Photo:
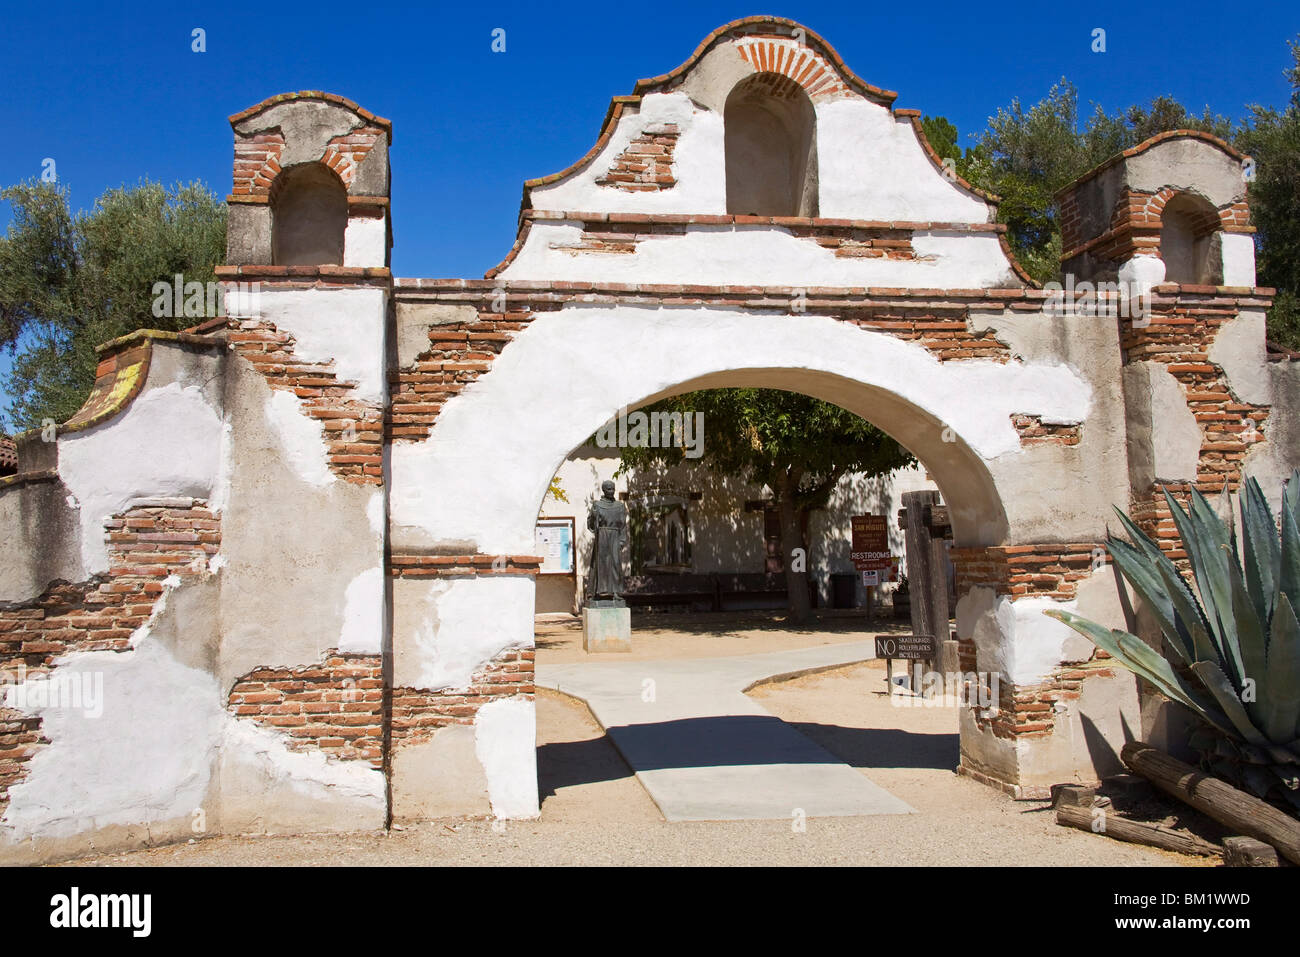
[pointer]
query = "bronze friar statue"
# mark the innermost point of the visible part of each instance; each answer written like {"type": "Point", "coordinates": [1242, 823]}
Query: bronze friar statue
{"type": "Point", "coordinates": [607, 520]}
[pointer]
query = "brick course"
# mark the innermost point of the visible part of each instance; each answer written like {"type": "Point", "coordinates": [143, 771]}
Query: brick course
{"type": "Point", "coordinates": [353, 429]}
{"type": "Point", "coordinates": [335, 706]}
{"type": "Point", "coordinates": [417, 714]}
{"type": "Point", "coordinates": [646, 165]}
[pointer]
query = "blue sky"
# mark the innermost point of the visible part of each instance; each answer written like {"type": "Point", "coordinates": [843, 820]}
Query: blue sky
{"type": "Point", "coordinates": [113, 92]}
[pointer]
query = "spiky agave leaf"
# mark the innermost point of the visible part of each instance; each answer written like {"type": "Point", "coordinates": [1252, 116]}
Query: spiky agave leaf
{"type": "Point", "coordinates": [1227, 696]}
{"type": "Point", "coordinates": [1143, 660]}
{"type": "Point", "coordinates": [1206, 545]}
{"type": "Point", "coordinates": [1251, 633]}
{"type": "Point", "coordinates": [1150, 572]}
{"type": "Point", "coordinates": [1288, 577]}
{"type": "Point", "coordinates": [1261, 549]}
{"type": "Point", "coordinates": [1278, 689]}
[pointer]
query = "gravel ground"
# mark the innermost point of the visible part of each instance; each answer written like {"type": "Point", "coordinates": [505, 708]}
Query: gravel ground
{"type": "Point", "coordinates": [595, 812]}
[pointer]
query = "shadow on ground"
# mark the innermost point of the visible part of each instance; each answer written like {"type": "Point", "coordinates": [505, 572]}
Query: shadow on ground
{"type": "Point", "coordinates": [731, 740]}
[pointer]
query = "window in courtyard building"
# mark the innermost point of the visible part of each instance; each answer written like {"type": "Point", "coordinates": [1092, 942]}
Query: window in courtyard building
{"type": "Point", "coordinates": [309, 215]}
{"type": "Point", "coordinates": [771, 148]}
{"type": "Point", "coordinates": [660, 527]}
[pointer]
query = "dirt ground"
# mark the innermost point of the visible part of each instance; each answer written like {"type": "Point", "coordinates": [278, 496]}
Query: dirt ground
{"type": "Point", "coordinates": [595, 812]}
{"type": "Point", "coordinates": [711, 635]}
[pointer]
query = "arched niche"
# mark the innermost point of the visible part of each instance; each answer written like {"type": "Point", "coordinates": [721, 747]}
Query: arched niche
{"type": "Point", "coordinates": [309, 216]}
{"type": "Point", "coordinates": [771, 148]}
{"type": "Point", "coordinates": [1188, 226]}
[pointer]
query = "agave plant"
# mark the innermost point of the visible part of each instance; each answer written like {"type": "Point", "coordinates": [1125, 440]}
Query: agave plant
{"type": "Point", "coordinates": [1232, 644]}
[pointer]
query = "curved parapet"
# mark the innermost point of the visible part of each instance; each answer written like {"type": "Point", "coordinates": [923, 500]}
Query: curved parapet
{"type": "Point", "coordinates": [151, 426]}
{"type": "Point", "coordinates": [761, 160]}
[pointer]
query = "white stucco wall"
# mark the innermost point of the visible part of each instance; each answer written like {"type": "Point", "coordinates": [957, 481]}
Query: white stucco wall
{"type": "Point", "coordinates": [871, 166]}
{"type": "Point", "coordinates": [167, 443]}
{"type": "Point", "coordinates": [365, 242]}
{"type": "Point", "coordinates": [481, 476]}
{"type": "Point", "coordinates": [761, 255]}
{"type": "Point", "coordinates": [342, 325]}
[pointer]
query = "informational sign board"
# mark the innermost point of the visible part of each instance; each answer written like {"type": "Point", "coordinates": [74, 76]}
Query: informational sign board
{"type": "Point", "coordinates": [878, 576]}
{"type": "Point", "coordinates": [869, 547]}
{"type": "Point", "coordinates": [909, 647]}
{"type": "Point", "coordinates": [555, 539]}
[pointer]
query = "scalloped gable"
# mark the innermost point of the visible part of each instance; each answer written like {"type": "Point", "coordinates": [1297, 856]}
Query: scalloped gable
{"type": "Point", "coordinates": [874, 162]}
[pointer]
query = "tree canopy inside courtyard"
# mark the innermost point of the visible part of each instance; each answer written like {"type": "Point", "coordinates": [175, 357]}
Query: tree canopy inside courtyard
{"type": "Point", "coordinates": [797, 446]}
{"type": "Point", "coordinates": [70, 282]}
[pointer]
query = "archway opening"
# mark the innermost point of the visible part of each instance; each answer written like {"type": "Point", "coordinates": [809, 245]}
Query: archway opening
{"type": "Point", "coordinates": [309, 217]}
{"type": "Point", "coordinates": [771, 148]}
{"type": "Point", "coordinates": [1188, 227]}
{"type": "Point", "coordinates": [711, 602]}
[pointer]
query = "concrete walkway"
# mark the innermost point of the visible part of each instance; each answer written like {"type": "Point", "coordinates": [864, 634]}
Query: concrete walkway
{"type": "Point", "coordinates": [705, 751]}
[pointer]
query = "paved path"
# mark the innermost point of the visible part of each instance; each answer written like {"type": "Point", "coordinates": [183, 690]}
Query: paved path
{"type": "Point", "coordinates": [705, 751]}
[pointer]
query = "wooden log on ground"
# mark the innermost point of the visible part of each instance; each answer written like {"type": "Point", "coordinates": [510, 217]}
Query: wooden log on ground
{"type": "Point", "coordinates": [1248, 852]}
{"type": "Point", "coordinates": [1074, 795]}
{"type": "Point", "coordinates": [1105, 821]}
{"type": "Point", "coordinates": [1239, 811]}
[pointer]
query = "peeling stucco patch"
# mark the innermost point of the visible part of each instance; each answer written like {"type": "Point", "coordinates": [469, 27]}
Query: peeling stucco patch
{"type": "Point", "coordinates": [343, 326]}
{"type": "Point", "coordinates": [301, 437]}
{"type": "Point", "coordinates": [1175, 435]}
{"type": "Point", "coordinates": [1238, 349]}
{"type": "Point", "coordinates": [363, 614]}
{"type": "Point", "coordinates": [148, 757]}
{"type": "Point", "coordinates": [467, 623]}
{"type": "Point", "coordinates": [309, 772]}
{"type": "Point", "coordinates": [168, 443]}
{"type": "Point", "coordinates": [504, 736]}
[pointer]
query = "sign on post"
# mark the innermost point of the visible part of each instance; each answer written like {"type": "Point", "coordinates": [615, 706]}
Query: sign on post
{"type": "Point", "coordinates": [869, 552]}
{"type": "Point", "coordinates": [869, 548]}
{"type": "Point", "coordinates": [907, 647]}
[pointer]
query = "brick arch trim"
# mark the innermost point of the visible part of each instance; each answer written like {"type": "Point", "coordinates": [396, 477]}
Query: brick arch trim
{"type": "Point", "coordinates": [749, 31]}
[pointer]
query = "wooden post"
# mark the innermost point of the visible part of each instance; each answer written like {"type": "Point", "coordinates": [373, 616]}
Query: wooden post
{"type": "Point", "coordinates": [924, 521]}
{"type": "Point", "coordinates": [916, 536]}
{"type": "Point", "coordinates": [1248, 852]}
{"type": "Point", "coordinates": [938, 592]}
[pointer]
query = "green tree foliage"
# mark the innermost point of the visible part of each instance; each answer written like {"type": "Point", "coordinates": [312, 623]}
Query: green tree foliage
{"type": "Point", "coordinates": [797, 446]}
{"type": "Point", "coordinates": [69, 283]}
{"type": "Point", "coordinates": [1272, 138]}
{"type": "Point", "coordinates": [1027, 154]}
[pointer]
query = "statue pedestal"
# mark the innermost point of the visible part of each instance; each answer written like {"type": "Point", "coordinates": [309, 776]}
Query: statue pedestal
{"type": "Point", "coordinates": [606, 629]}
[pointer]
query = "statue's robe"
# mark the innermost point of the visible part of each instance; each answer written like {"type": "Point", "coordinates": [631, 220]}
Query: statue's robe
{"type": "Point", "coordinates": [608, 522]}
